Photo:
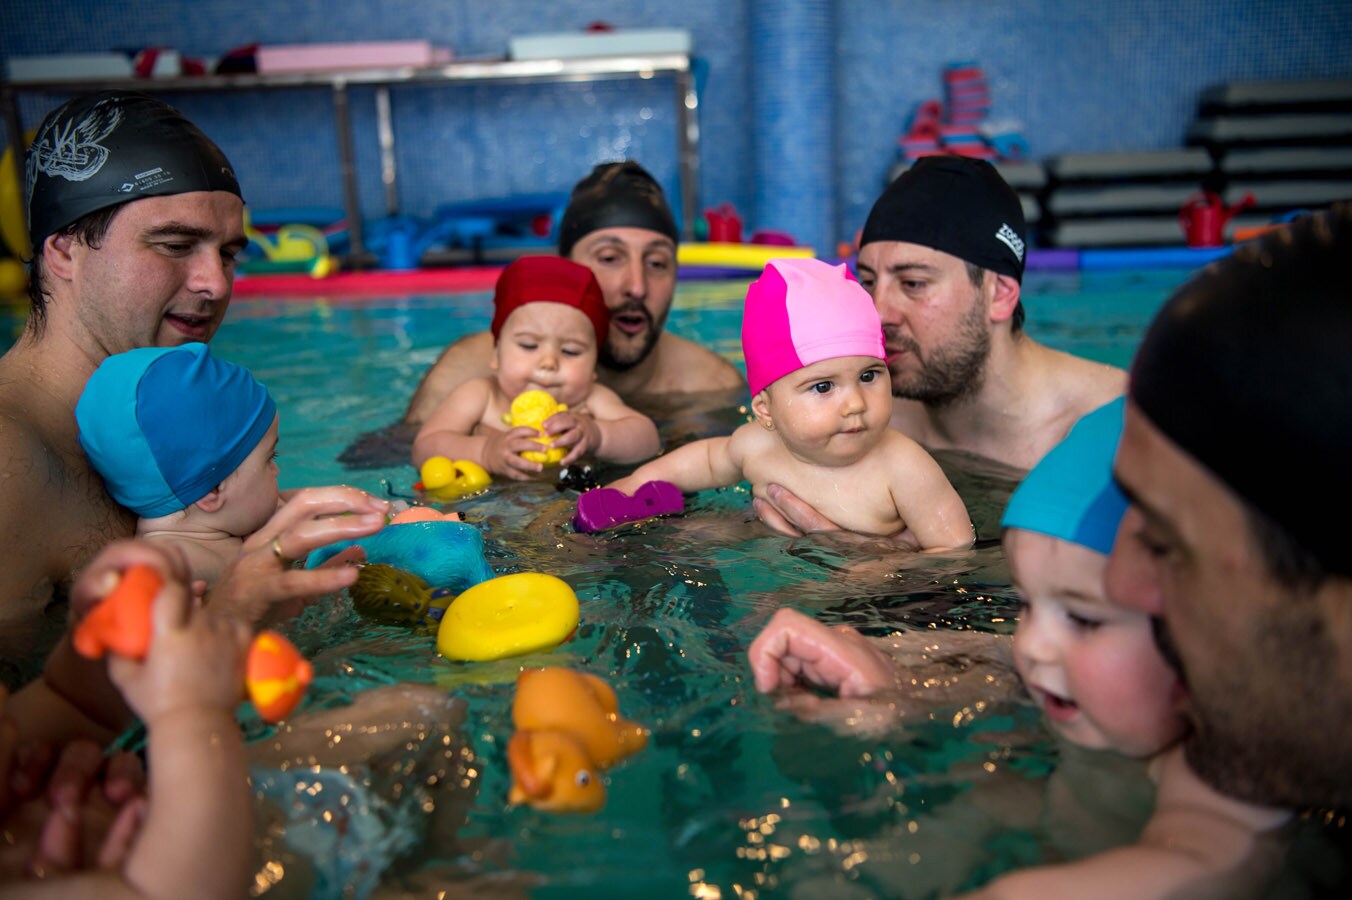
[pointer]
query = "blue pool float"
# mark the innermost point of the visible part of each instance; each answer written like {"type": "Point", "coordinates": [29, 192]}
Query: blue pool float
{"type": "Point", "coordinates": [444, 554]}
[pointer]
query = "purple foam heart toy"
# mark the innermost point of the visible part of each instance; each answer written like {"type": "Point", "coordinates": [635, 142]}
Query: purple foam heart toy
{"type": "Point", "coordinates": [604, 508]}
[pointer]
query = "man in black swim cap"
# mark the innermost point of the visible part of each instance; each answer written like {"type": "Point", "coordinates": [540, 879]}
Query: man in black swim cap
{"type": "Point", "coordinates": [619, 225]}
{"type": "Point", "coordinates": [1235, 455]}
{"type": "Point", "coordinates": [943, 253]}
{"type": "Point", "coordinates": [136, 218]}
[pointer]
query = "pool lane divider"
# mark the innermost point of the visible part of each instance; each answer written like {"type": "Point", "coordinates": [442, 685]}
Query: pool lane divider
{"type": "Point", "coordinates": [380, 283]}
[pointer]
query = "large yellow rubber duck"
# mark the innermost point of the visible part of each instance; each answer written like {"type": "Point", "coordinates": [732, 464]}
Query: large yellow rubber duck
{"type": "Point", "coordinates": [568, 729]}
{"type": "Point", "coordinates": [532, 409]}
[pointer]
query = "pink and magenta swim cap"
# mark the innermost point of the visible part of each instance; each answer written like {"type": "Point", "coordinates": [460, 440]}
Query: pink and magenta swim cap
{"type": "Point", "coordinates": [802, 311]}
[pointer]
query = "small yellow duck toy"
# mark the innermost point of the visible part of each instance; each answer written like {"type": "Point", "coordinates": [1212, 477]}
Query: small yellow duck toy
{"type": "Point", "coordinates": [532, 409]}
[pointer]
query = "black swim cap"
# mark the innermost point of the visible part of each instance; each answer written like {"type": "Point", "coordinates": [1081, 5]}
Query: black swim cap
{"type": "Point", "coordinates": [615, 195]}
{"type": "Point", "coordinates": [1248, 369]}
{"type": "Point", "coordinates": [99, 150]}
{"type": "Point", "coordinates": [957, 205]}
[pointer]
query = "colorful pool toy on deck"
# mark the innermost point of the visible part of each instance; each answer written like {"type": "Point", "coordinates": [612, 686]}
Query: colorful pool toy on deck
{"type": "Point", "coordinates": [607, 507]}
{"type": "Point", "coordinates": [276, 675]}
{"type": "Point", "coordinates": [510, 615]}
{"type": "Point", "coordinates": [450, 479]}
{"type": "Point", "coordinates": [568, 729]}
{"type": "Point", "coordinates": [531, 409]}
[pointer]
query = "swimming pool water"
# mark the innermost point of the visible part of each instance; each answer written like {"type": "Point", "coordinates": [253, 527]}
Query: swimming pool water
{"type": "Point", "coordinates": [732, 797]}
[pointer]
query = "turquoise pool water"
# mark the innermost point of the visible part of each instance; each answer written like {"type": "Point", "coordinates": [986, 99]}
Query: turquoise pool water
{"type": "Point", "coordinates": [733, 796]}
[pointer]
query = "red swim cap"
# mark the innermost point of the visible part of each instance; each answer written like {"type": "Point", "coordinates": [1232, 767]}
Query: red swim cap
{"type": "Point", "coordinates": [549, 279]}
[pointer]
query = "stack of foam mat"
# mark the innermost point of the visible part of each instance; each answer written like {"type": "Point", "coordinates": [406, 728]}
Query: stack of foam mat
{"type": "Point", "coordinates": [1289, 144]}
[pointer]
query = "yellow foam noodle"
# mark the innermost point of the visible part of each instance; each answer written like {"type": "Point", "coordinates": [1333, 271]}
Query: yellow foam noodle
{"type": "Point", "coordinates": [737, 256]}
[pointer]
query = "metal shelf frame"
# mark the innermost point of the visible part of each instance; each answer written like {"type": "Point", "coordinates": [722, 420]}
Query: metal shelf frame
{"type": "Point", "coordinates": [584, 69]}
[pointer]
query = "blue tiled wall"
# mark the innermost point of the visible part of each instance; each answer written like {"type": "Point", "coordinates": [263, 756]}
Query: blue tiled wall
{"type": "Point", "coordinates": [1079, 76]}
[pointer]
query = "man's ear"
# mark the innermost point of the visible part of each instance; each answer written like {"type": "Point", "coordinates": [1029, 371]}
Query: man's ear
{"type": "Point", "coordinates": [58, 256]}
{"type": "Point", "coordinates": [1006, 297]}
{"type": "Point", "coordinates": [213, 501]}
{"type": "Point", "coordinates": [760, 408]}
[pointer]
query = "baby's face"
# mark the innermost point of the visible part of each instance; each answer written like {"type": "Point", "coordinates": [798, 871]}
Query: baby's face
{"type": "Point", "coordinates": [831, 412]}
{"type": "Point", "coordinates": [549, 347]}
{"type": "Point", "coordinates": [250, 491]}
{"type": "Point", "coordinates": [1091, 666]}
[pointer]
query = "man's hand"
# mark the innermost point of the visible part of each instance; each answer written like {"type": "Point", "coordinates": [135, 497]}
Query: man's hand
{"type": "Point", "coordinates": [262, 582]}
{"type": "Point", "coordinates": [794, 649]}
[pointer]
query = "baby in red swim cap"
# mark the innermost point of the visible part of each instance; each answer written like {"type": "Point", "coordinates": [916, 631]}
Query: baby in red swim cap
{"type": "Point", "coordinates": [549, 317]}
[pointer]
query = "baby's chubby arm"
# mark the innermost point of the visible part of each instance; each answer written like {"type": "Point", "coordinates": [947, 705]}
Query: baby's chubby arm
{"type": "Point", "coordinates": [195, 829]}
{"type": "Point", "coordinates": [710, 463]}
{"type": "Point", "coordinates": [606, 427]}
{"type": "Point", "coordinates": [449, 432]}
{"type": "Point", "coordinates": [925, 499]}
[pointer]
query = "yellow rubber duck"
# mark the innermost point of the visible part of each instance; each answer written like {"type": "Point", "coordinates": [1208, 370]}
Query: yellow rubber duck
{"type": "Point", "coordinates": [446, 479]}
{"type": "Point", "coordinates": [532, 409]}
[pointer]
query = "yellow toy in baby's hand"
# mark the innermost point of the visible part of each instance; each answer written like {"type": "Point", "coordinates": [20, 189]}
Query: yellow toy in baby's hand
{"type": "Point", "coordinates": [532, 409]}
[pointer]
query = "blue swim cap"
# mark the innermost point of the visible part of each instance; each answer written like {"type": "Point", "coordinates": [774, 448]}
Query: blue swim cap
{"type": "Point", "coordinates": [165, 425]}
{"type": "Point", "coordinates": [1071, 493]}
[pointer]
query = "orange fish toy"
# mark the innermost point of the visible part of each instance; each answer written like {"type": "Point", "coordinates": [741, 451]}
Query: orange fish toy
{"type": "Point", "coordinates": [276, 675]}
{"type": "Point", "coordinates": [568, 729]}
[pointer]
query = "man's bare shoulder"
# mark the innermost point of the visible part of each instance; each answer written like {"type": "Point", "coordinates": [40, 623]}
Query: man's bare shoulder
{"type": "Point", "coordinates": [688, 367]}
{"type": "Point", "coordinates": [1083, 384]}
{"type": "Point", "coordinates": [467, 357]}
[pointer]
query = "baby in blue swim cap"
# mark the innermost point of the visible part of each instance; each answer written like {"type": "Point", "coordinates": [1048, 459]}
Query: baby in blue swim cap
{"type": "Point", "coordinates": [187, 442]}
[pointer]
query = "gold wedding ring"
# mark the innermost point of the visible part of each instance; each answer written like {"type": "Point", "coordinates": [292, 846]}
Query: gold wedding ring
{"type": "Point", "coordinates": [277, 552]}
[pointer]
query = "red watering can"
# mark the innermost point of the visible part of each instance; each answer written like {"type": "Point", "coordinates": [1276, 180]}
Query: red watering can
{"type": "Point", "coordinates": [1204, 218]}
{"type": "Point", "coordinates": [725, 226]}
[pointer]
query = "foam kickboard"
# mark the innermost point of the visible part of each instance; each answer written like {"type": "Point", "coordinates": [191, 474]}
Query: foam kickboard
{"type": "Point", "coordinates": [644, 41]}
{"type": "Point", "coordinates": [69, 67]}
{"type": "Point", "coordinates": [1276, 127]}
{"type": "Point", "coordinates": [1139, 164]}
{"type": "Point", "coordinates": [1277, 160]}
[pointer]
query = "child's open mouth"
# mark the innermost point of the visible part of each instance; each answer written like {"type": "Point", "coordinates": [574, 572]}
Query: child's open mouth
{"type": "Point", "coordinates": [1058, 708]}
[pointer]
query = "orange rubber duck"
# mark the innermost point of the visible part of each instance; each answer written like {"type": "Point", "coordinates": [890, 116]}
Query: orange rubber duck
{"type": "Point", "coordinates": [276, 675]}
{"type": "Point", "coordinates": [568, 730]}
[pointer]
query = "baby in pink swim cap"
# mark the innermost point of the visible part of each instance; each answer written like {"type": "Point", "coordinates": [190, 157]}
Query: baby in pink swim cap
{"type": "Point", "coordinates": [822, 399]}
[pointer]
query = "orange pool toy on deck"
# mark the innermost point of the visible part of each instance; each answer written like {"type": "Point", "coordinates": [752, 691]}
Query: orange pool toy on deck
{"type": "Point", "coordinates": [276, 676]}
{"type": "Point", "coordinates": [121, 623]}
{"type": "Point", "coordinates": [568, 730]}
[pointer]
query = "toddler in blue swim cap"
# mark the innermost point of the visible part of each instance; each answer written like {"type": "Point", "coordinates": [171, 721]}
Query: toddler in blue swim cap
{"type": "Point", "coordinates": [188, 443]}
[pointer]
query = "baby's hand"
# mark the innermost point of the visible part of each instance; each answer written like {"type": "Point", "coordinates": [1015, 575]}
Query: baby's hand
{"type": "Point", "coordinates": [195, 661]}
{"type": "Point", "coordinates": [575, 430]}
{"type": "Point", "coordinates": [503, 449]}
{"type": "Point", "coordinates": [794, 649]}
